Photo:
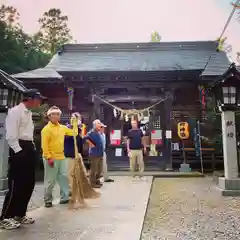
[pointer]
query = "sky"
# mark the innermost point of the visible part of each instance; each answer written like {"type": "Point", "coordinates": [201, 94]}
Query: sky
{"type": "Point", "coordinates": [95, 21]}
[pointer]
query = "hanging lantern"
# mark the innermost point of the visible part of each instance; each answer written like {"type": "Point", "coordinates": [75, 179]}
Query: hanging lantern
{"type": "Point", "coordinates": [126, 118]}
{"type": "Point", "coordinates": [115, 112]}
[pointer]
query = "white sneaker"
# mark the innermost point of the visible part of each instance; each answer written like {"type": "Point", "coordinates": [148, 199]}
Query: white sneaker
{"type": "Point", "coordinates": [9, 224]}
{"type": "Point", "coordinates": [24, 220]}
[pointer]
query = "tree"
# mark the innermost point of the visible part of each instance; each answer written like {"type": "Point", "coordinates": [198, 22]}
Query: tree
{"type": "Point", "coordinates": [19, 52]}
{"type": "Point", "coordinates": [54, 31]}
{"type": "Point", "coordinates": [212, 126]}
{"type": "Point", "coordinates": [9, 15]}
{"type": "Point", "coordinates": [155, 37]}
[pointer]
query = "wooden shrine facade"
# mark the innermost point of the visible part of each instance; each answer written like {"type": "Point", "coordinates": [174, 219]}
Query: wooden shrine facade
{"type": "Point", "coordinates": [133, 76]}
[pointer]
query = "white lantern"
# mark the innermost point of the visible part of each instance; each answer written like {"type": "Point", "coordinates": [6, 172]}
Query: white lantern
{"type": "Point", "coordinates": [227, 90]}
{"type": "Point", "coordinates": [229, 94]}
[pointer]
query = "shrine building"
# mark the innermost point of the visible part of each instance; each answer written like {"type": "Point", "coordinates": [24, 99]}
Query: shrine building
{"type": "Point", "coordinates": [165, 80]}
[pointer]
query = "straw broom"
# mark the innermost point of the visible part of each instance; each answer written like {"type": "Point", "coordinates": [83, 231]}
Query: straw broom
{"type": "Point", "coordinates": [77, 198]}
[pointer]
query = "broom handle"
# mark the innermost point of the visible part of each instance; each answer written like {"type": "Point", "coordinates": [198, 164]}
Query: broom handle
{"type": "Point", "coordinates": [75, 129]}
{"type": "Point", "coordinates": [78, 185]}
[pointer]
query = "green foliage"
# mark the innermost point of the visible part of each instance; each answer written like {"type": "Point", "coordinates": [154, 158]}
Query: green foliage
{"type": "Point", "coordinates": [155, 37]}
{"type": "Point", "coordinates": [223, 46]}
{"type": "Point", "coordinates": [9, 15]}
{"type": "Point", "coordinates": [40, 120]}
{"type": "Point", "coordinates": [54, 32]}
{"type": "Point", "coordinates": [213, 123]}
{"type": "Point", "coordinates": [39, 116]}
{"type": "Point", "coordinates": [19, 52]}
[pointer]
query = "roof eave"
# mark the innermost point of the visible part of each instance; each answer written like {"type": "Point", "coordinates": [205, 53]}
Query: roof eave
{"type": "Point", "coordinates": [40, 73]}
{"type": "Point", "coordinates": [12, 82]}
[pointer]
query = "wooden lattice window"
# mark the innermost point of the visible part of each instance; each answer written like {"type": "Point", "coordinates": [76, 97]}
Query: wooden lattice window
{"type": "Point", "coordinates": [157, 123]}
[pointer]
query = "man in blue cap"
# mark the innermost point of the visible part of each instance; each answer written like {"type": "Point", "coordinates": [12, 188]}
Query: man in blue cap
{"type": "Point", "coordinates": [22, 160]}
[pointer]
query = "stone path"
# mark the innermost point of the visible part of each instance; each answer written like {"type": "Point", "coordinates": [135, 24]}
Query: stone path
{"type": "Point", "coordinates": [37, 197]}
{"type": "Point", "coordinates": [117, 215]}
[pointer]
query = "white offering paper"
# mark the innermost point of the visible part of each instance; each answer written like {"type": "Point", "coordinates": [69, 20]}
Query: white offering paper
{"type": "Point", "coordinates": [168, 134]}
{"type": "Point", "coordinates": [118, 152]}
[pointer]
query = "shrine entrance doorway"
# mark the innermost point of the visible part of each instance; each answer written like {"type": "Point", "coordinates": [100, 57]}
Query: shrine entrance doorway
{"type": "Point", "coordinates": [154, 128]}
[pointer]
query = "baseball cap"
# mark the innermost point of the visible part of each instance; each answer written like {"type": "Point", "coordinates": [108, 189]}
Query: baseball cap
{"type": "Point", "coordinates": [97, 121]}
{"type": "Point", "coordinates": [33, 94]}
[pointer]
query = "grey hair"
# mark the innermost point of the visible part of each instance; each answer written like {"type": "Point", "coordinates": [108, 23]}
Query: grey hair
{"type": "Point", "coordinates": [95, 122]}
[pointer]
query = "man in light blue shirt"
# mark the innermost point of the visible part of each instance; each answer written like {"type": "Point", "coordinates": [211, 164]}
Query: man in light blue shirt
{"type": "Point", "coordinates": [105, 170]}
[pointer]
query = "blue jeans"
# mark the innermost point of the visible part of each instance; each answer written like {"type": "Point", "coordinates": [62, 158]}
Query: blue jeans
{"type": "Point", "coordinates": [56, 174]}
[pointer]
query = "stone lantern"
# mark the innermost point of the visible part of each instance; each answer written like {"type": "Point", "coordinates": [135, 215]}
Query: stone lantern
{"type": "Point", "coordinates": [227, 98]}
{"type": "Point", "coordinates": [11, 93]}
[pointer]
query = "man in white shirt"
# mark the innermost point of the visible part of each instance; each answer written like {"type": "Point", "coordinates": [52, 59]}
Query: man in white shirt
{"type": "Point", "coordinates": [22, 159]}
{"type": "Point", "coordinates": [105, 168]}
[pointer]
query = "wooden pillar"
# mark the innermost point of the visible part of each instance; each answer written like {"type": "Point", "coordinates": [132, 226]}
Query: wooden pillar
{"type": "Point", "coordinates": [96, 107]}
{"type": "Point", "coordinates": [168, 126]}
{"type": "Point", "coordinates": [91, 107]}
{"type": "Point", "coordinates": [107, 119]}
{"type": "Point", "coordinates": [70, 99]}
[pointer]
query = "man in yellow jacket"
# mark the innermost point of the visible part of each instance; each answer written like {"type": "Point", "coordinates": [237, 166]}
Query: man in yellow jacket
{"type": "Point", "coordinates": [55, 164]}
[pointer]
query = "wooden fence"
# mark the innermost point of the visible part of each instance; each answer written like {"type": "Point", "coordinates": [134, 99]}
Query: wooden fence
{"type": "Point", "coordinates": [212, 160]}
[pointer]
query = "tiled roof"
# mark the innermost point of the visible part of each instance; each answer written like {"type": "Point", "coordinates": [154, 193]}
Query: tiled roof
{"type": "Point", "coordinates": [39, 73]}
{"type": "Point", "coordinates": [216, 65]}
{"type": "Point", "coordinates": [232, 69]}
{"type": "Point", "coordinates": [11, 82]}
{"type": "Point", "coordinates": [163, 56]}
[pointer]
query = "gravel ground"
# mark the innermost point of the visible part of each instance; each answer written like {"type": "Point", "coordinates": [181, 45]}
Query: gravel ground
{"type": "Point", "coordinates": [190, 209]}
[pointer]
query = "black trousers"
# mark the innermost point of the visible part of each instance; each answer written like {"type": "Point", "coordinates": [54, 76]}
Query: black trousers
{"type": "Point", "coordinates": [21, 181]}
